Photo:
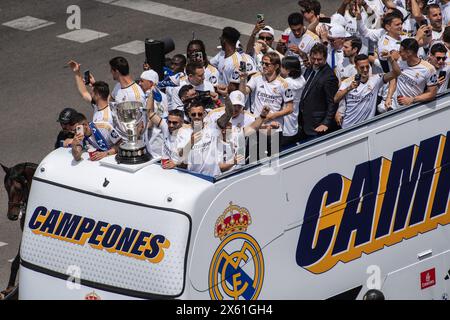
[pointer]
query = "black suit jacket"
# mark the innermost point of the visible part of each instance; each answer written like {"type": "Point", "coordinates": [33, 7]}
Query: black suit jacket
{"type": "Point", "coordinates": [317, 103]}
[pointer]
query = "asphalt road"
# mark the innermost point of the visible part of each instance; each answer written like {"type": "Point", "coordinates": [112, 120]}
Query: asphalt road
{"type": "Point", "coordinates": [35, 83]}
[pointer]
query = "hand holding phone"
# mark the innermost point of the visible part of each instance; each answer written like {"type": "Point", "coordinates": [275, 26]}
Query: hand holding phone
{"type": "Point", "coordinates": [87, 77]}
{"type": "Point", "coordinates": [325, 20]}
{"type": "Point", "coordinates": [243, 66]}
{"type": "Point", "coordinates": [79, 130]}
{"type": "Point", "coordinates": [260, 17]}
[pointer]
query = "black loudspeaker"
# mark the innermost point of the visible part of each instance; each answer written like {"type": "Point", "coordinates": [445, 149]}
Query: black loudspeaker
{"type": "Point", "coordinates": [155, 50]}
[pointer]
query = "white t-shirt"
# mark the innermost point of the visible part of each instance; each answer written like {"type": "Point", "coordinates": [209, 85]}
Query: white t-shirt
{"type": "Point", "coordinates": [290, 127]}
{"type": "Point", "coordinates": [272, 94]}
{"type": "Point", "coordinates": [203, 155]}
{"type": "Point", "coordinates": [229, 67]}
{"type": "Point", "coordinates": [413, 80]}
{"type": "Point", "coordinates": [131, 93]}
{"type": "Point", "coordinates": [360, 103]}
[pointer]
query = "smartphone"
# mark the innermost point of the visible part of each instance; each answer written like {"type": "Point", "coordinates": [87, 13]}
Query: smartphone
{"type": "Point", "coordinates": [243, 66]}
{"type": "Point", "coordinates": [197, 126]}
{"type": "Point", "coordinates": [358, 77]}
{"type": "Point", "coordinates": [442, 74]}
{"type": "Point", "coordinates": [79, 129]}
{"type": "Point", "coordinates": [87, 76]}
{"type": "Point", "coordinates": [325, 20]}
{"type": "Point", "coordinates": [197, 56]}
{"type": "Point", "coordinates": [259, 17]}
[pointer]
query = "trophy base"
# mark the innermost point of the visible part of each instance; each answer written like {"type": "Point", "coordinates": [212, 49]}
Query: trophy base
{"type": "Point", "coordinates": [136, 156]}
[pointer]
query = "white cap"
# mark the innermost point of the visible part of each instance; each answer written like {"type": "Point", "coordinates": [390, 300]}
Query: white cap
{"type": "Point", "coordinates": [267, 29]}
{"type": "Point", "coordinates": [237, 97]}
{"type": "Point", "coordinates": [150, 75]}
{"type": "Point", "coordinates": [337, 19]}
{"type": "Point", "coordinates": [338, 31]}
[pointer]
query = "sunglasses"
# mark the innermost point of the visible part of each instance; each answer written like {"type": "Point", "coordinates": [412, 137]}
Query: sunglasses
{"type": "Point", "coordinates": [197, 114]}
{"type": "Point", "coordinates": [266, 64]}
{"type": "Point", "coordinates": [441, 58]}
{"type": "Point", "coordinates": [265, 38]}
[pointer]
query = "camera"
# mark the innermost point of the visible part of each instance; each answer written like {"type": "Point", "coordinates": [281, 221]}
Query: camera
{"type": "Point", "coordinates": [205, 98]}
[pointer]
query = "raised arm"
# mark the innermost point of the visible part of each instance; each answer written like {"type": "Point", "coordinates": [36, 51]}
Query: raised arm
{"type": "Point", "coordinates": [75, 66]}
{"type": "Point", "coordinates": [226, 117]}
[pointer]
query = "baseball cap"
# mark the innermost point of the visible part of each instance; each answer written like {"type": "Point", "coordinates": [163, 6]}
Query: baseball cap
{"type": "Point", "coordinates": [267, 29]}
{"type": "Point", "coordinates": [67, 115]}
{"type": "Point", "coordinates": [237, 97]}
{"type": "Point", "coordinates": [150, 75]}
{"type": "Point", "coordinates": [338, 31]}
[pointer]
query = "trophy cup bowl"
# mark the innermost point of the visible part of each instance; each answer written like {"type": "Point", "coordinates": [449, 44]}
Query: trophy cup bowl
{"type": "Point", "coordinates": [129, 122]}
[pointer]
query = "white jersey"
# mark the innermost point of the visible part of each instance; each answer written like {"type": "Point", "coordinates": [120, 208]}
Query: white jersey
{"type": "Point", "coordinates": [227, 150]}
{"type": "Point", "coordinates": [109, 134]}
{"type": "Point", "coordinates": [131, 93]}
{"type": "Point", "coordinates": [154, 138]}
{"type": "Point", "coordinates": [290, 127]}
{"type": "Point", "coordinates": [103, 115]}
{"type": "Point", "coordinates": [445, 8]}
{"type": "Point", "coordinates": [203, 155]}
{"type": "Point", "coordinates": [344, 72]}
{"type": "Point", "coordinates": [350, 24]}
{"type": "Point", "coordinates": [171, 143]}
{"type": "Point", "coordinates": [212, 75]}
{"type": "Point", "coordinates": [304, 43]}
{"type": "Point", "coordinates": [273, 94]}
{"type": "Point", "coordinates": [229, 67]}
{"type": "Point", "coordinates": [413, 80]}
{"type": "Point", "coordinates": [241, 121]}
{"type": "Point", "coordinates": [360, 103]}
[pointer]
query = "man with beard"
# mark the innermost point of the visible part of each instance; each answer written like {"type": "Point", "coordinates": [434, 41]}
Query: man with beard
{"type": "Point", "coordinates": [317, 107]}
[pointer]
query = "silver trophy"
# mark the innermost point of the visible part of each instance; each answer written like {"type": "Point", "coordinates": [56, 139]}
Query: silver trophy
{"type": "Point", "coordinates": [129, 122]}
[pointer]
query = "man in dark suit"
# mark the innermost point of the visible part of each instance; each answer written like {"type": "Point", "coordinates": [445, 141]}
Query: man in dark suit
{"type": "Point", "coordinates": [317, 107]}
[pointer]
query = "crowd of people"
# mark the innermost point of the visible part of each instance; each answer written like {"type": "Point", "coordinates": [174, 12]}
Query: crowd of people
{"type": "Point", "coordinates": [323, 74]}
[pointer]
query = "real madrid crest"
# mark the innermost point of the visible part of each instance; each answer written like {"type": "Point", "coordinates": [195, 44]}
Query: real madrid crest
{"type": "Point", "coordinates": [237, 267]}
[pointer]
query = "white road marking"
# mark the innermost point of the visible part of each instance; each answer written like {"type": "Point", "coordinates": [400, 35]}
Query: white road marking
{"type": "Point", "coordinates": [189, 16]}
{"type": "Point", "coordinates": [82, 35]}
{"type": "Point", "coordinates": [133, 47]}
{"type": "Point", "coordinates": [2, 244]}
{"type": "Point", "coordinates": [27, 23]}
